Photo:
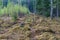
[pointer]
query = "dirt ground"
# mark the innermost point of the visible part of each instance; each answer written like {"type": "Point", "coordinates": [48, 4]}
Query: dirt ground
{"type": "Point", "coordinates": [32, 27]}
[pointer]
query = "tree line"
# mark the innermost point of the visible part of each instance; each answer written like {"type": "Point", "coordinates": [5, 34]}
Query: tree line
{"type": "Point", "coordinates": [48, 7]}
{"type": "Point", "coordinates": [41, 7]}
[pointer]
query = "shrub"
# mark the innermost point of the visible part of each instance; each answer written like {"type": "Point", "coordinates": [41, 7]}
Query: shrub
{"type": "Point", "coordinates": [13, 10]}
{"type": "Point", "coordinates": [3, 11]}
{"type": "Point", "coordinates": [47, 14]}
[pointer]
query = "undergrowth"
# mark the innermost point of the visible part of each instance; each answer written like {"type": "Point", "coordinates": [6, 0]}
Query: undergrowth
{"type": "Point", "coordinates": [14, 10]}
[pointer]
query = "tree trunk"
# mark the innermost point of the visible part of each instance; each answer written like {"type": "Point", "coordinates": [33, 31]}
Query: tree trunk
{"type": "Point", "coordinates": [51, 14]}
{"type": "Point", "coordinates": [57, 10]}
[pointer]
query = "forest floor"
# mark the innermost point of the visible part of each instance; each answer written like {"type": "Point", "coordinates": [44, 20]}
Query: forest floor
{"type": "Point", "coordinates": [32, 27]}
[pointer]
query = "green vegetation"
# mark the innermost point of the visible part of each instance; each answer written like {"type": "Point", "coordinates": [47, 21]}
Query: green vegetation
{"type": "Point", "coordinates": [43, 7]}
{"type": "Point", "coordinates": [0, 3]}
{"type": "Point", "coordinates": [13, 10]}
{"type": "Point", "coordinates": [29, 20]}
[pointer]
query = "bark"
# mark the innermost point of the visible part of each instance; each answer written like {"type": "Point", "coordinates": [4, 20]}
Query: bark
{"type": "Point", "coordinates": [35, 6]}
{"type": "Point", "coordinates": [51, 14]}
{"type": "Point", "coordinates": [57, 10]}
